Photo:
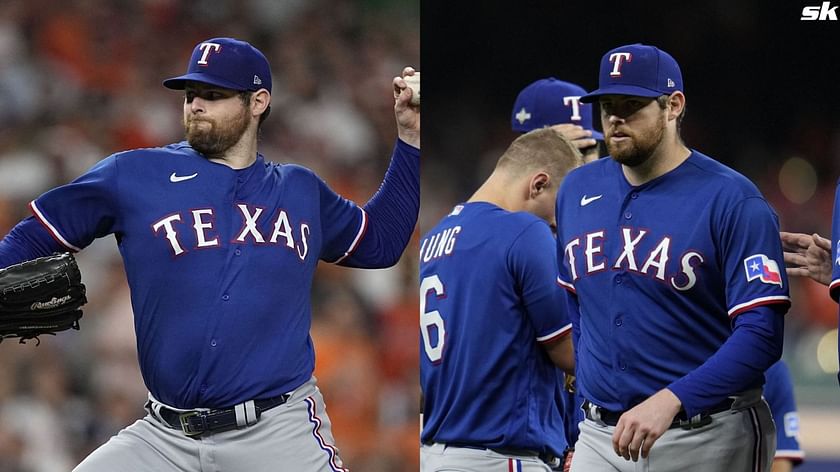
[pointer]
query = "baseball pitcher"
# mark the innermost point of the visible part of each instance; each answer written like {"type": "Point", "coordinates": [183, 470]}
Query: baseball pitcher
{"type": "Point", "coordinates": [220, 246]}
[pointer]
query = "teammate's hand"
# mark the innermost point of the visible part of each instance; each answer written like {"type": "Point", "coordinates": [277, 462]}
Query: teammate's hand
{"type": "Point", "coordinates": [408, 116]}
{"type": "Point", "coordinates": [639, 427]}
{"type": "Point", "coordinates": [807, 256]}
{"type": "Point", "coordinates": [580, 137]}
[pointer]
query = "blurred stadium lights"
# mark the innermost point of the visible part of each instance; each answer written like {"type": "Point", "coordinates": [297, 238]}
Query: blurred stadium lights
{"type": "Point", "coordinates": [797, 180]}
{"type": "Point", "coordinates": [827, 352]}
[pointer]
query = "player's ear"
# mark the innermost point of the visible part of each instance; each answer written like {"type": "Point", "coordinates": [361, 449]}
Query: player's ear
{"type": "Point", "coordinates": [539, 183]}
{"type": "Point", "coordinates": [676, 104]}
{"type": "Point", "coordinates": [261, 101]}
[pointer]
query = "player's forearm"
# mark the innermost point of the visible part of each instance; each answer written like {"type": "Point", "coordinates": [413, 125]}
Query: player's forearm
{"type": "Point", "coordinates": [26, 241]}
{"type": "Point", "coordinates": [392, 212]}
{"type": "Point", "coordinates": [561, 352]}
{"type": "Point", "coordinates": [739, 364]}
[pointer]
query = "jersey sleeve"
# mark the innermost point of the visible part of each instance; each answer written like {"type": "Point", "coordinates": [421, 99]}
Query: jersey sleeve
{"type": "Point", "coordinates": [778, 391]}
{"type": "Point", "coordinates": [752, 257]}
{"type": "Point", "coordinates": [532, 261]}
{"type": "Point", "coordinates": [834, 287]}
{"type": "Point", "coordinates": [87, 208]}
{"type": "Point", "coordinates": [343, 224]}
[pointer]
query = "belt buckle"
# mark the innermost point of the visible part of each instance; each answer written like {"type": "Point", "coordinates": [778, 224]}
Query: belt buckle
{"type": "Point", "coordinates": [185, 423]}
{"type": "Point", "coordinates": [594, 412]}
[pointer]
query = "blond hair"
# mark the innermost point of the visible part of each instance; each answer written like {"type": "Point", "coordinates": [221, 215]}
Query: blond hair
{"type": "Point", "coordinates": [543, 150]}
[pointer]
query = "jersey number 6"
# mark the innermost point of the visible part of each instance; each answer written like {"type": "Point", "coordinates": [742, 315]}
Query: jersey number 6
{"type": "Point", "coordinates": [432, 318]}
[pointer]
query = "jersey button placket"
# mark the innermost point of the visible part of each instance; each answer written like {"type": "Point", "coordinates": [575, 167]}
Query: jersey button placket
{"type": "Point", "coordinates": [225, 297]}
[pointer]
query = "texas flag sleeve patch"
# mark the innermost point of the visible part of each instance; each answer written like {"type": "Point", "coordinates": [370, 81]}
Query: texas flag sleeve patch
{"type": "Point", "coordinates": [762, 268]}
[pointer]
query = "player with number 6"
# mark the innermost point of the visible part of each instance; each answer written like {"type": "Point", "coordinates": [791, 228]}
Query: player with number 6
{"type": "Point", "coordinates": [492, 326]}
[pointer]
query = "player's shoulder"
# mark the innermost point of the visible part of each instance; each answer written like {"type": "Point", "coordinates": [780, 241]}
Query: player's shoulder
{"type": "Point", "coordinates": [506, 219]}
{"type": "Point", "coordinates": [727, 181]}
{"type": "Point", "coordinates": [294, 175]}
{"type": "Point", "coordinates": [153, 154]}
{"type": "Point", "coordinates": [491, 219]}
{"type": "Point", "coordinates": [291, 169]}
{"type": "Point", "coordinates": [593, 170]}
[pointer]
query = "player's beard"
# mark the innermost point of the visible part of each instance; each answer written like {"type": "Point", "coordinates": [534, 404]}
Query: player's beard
{"type": "Point", "coordinates": [215, 140]}
{"type": "Point", "coordinates": [639, 147]}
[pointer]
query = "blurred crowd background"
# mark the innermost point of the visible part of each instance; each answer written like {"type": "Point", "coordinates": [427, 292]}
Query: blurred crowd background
{"type": "Point", "coordinates": [81, 79]}
{"type": "Point", "coordinates": [761, 89]}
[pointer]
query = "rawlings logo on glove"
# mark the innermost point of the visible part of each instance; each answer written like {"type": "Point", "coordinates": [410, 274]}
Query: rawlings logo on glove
{"type": "Point", "coordinates": [52, 303]}
{"type": "Point", "coordinates": [41, 296]}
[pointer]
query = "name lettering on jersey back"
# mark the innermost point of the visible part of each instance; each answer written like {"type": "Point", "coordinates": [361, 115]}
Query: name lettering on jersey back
{"type": "Point", "coordinates": [654, 262]}
{"type": "Point", "coordinates": [439, 244]}
{"type": "Point", "coordinates": [202, 223]}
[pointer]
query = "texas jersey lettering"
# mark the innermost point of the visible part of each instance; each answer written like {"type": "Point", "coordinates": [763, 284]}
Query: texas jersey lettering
{"type": "Point", "coordinates": [675, 270]}
{"type": "Point", "coordinates": [180, 237]}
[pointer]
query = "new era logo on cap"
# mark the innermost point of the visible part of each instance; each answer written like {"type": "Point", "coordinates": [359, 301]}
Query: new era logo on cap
{"type": "Point", "coordinates": [549, 102]}
{"type": "Point", "coordinates": [228, 63]}
{"type": "Point", "coordinates": [638, 70]}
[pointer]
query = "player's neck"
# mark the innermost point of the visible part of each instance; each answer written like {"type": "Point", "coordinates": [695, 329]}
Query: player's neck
{"type": "Point", "coordinates": [665, 158]}
{"type": "Point", "coordinates": [498, 190]}
{"type": "Point", "coordinates": [240, 155]}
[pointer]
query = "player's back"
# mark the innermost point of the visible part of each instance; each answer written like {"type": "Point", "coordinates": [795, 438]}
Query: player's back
{"type": "Point", "coordinates": [485, 379]}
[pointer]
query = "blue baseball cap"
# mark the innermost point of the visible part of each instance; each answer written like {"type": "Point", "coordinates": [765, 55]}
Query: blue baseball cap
{"type": "Point", "coordinates": [639, 70]}
{"type": "Point", "coordinates": [549, 102]}
{"type": "Point", "coordinates": [228, 63]}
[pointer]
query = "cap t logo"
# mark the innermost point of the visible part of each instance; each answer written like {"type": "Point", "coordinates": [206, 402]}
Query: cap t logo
{"type": "Point", "coordinates": [206, 48]}
{"type": "Point", "coordinates": [619, 58]}
{"type": "Point", "coordinates": [671, 83]}
{"type": "Point", "coordinates": [257, 80]}
{"type": "Point", "coordinates": [574, 101]}
{"type": "Point", "coordinates": [522, 116]}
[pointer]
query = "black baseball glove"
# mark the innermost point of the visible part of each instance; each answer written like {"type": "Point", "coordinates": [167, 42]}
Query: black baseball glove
{"type": "Point", "coordinates": [41, 296]}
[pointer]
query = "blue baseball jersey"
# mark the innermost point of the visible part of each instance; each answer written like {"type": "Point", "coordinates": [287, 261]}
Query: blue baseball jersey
{"type": "Point", "coordinates": [778, 391]}
{"type": "Point", "coordinates": [834, 286]}
{"type": "Point", "coordinates": [219, 262]}
{"type": "Point", "coordinates": [487, 302]}
{"type": "Point", "coordinates": [660, 271]}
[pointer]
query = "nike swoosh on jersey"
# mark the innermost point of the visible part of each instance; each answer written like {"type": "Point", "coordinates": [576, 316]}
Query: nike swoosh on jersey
{"type": "Point", "coordinates": [180, 178]}
{"type": "Point", "coordinates": [584, 200]}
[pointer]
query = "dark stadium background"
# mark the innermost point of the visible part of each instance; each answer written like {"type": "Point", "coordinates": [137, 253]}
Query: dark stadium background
{"type": "Point", "coordinates": [762, 97]}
